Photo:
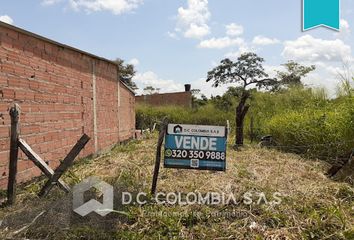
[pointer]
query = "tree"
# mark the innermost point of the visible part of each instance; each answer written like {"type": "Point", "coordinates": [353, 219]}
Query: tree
{"type": "Point", "coordinates": [247, 73]}
{"type": "Point", "coordinates": [195, 101]}
{"type": "Point", "coordinates": [223, 102]}
{"type": "Point", "coordinates": [149, 90]}
{"type": "Point", "coordinates": [126, 73]}
{"type": "Point", "coordinates": [198, 102]}
{"type": "Point", "coordinates": [195, 92]}
{"type": "Point", "coordinates": [293, 74]}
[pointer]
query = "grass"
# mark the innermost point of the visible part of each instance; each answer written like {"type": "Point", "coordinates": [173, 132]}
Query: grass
{"type": "Point", "coordinates": [326, 132]}
{"type": "Point", "coordinates": [299, 120]}
{"type": "Point", "coordinates": [312, 207]}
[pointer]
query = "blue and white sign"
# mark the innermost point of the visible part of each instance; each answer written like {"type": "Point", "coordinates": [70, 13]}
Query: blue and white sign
{"type": "Point", "coordinates": [195, 147]}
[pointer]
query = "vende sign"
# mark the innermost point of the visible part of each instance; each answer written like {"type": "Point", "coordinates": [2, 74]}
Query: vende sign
{"type": "Point", "coordinates": [195, 147]}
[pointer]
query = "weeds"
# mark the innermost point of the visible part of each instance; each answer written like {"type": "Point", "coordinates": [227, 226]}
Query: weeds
{"type": "Point", "coordinates": [312, 207]}
{"type": "Point", "coordinates": [301, 120]}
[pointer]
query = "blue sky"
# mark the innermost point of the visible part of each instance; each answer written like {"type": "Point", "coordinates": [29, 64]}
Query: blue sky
{"type": "Point", "coordinates": [178, 41]}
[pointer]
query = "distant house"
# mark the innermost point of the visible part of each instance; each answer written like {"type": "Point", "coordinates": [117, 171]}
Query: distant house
{"type": "Point", "coordinates": [183, 99]}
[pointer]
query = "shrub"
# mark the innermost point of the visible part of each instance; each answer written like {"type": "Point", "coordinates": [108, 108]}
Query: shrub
{"type": "Point", "coordinates": [301, 120]}
{"type": "Point", "coordinates": [324, 132]}
{"type": "Point", "coordinates": [146, 116]}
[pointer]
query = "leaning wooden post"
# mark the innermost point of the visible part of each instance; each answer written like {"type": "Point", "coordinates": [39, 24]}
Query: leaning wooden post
{"type": "Point", "coordinates": [65, 164]}
{"type": "Point", "coordinates": [162, 133]}
{"type": "Point", "coordinates": [15, 131]}
{"type": "Point", "coordinates": [40, 163]}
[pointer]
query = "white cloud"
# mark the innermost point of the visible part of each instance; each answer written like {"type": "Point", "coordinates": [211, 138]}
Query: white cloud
{"type": "Point", "coordinates": [242, 49]}
{"type": "Point", "coordinates": [214, 63]}
{"type": "Point", "coordinates": [115, 6]}
{"type": "Point", "coordinates": [207, 89]}
{"type": "Point", "coordinates": [325, 76]}
{"type": "Point", "coordinates": [344, 26]}
{"type": "Point", "coordinates": [327, 55]}
{"type": "Point", "coordinates": [220, 43]}
{"type": "Point", "coordinates": [134, 62]}
{"type": "Point", "coordinates": [234, 29]}
{"type": "Point", "coordinates": [272, 70]}
{"type": "Point", "coordinates": [50, 2]}
{"type": "Point", "coordinates": [150, 78]}
{"type": "Point", "coordinates": [193, 19]}
{"type": "Point", "coordinates": [263, 41]}
{"type": "Point", "coordinates": [344, 30]}
{"type": "Point", "coordinates": [308, 48]}
{"type": "Point", "coordinates": [6, 19]}
{"type": "Point", "coordinates": [172, 35]}
{"type": "Point", "coordinates": [197, 31]}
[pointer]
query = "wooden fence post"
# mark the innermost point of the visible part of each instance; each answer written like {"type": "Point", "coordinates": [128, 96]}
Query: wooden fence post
{"type": "Point", "coordinates": [228, 127]}
{"type": "Point", "coordinates": [252, 129]}
{"type": "Point", "coordinates": [158, 154]}
{"type": "Point", "coordinates": [15, 131]}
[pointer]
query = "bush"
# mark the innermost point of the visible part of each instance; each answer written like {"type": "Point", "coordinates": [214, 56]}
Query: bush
{"type": "Point", "coordinates": [320, 132]}
{"type": "Point", "coordinates": [301, 120]}
{"type": "Point", "coordinates": [146, 116]}
{"type": "Point", "coordinates": [265, 105]}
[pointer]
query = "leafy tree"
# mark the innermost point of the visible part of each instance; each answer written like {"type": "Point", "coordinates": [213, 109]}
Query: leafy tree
{"type": "Point", "coordinates": [223, 102]}
{"type": "Point", "coordinates": [293, 74]}
{"type": "Point", "coordinates": [195, 92]}
{"type": "Point", "coordinates": [151, 90]}
{"type": "Point", "coordinates": [227, 100]}
{"type": "Point", "coordinates": [198, 102]}
{"type": "Point", "coordinates": [195, 101]}
{"type": "Point", "coordinates": [126, 73]}
{"type": "Point", "coordinates": [247, 73]}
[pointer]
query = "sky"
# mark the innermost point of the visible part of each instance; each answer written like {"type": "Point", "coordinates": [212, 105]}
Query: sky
{"type": "Point", "coordinates": [175, 42]}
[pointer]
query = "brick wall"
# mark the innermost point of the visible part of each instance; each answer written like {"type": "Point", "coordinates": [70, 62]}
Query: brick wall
{"type": "Point", "coordinates": [179, 98]}
{"type": "Point", "coordinates": [63, 92]}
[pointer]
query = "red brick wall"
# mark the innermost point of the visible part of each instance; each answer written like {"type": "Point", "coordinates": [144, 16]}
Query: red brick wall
{"type": "Point", "coordinates": [127, 114]}
{"type": "Point", "coordinates": [180, 99]}
{"type": "Point", "coordinates": [53, 84]}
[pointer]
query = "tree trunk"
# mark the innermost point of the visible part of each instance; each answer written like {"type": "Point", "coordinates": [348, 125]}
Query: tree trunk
{"type": "Point", "coordinates": [241, 112]}
{"type": "Point", "coordinates": [239, 129]}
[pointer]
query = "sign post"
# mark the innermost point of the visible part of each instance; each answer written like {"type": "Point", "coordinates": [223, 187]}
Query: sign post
{"type": "Point", "coordinates": [158, 155]}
